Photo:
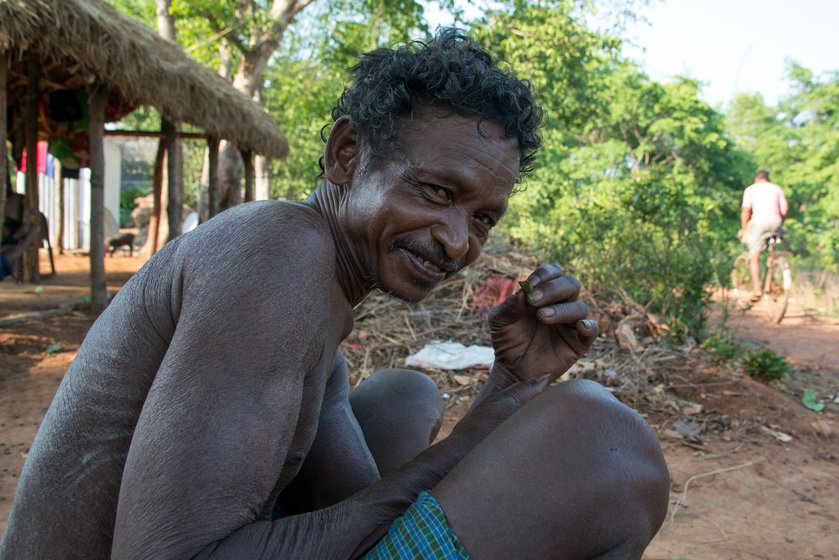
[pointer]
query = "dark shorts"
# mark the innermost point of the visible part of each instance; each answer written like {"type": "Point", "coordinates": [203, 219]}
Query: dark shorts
{"type": "Point", "coordinates": [421, 533]}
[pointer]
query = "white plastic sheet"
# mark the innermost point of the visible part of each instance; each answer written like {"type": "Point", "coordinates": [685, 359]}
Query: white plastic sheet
{"type": "Point", "coordinates": [452, 355]}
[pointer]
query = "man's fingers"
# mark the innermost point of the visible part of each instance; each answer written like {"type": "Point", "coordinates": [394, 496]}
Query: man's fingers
{"type": "Point", "coordinates": [588, 330]}
{"type": "Point", "coordinates": [555, 290]}
{"type": "Point", "coordinates": [544, 273]}
{"type": "Point", "coordinates": [566, 313]}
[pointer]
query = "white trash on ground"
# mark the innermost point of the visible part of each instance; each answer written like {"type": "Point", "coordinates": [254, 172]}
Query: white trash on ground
{"type": "Point", "coordinates": [452, 355]}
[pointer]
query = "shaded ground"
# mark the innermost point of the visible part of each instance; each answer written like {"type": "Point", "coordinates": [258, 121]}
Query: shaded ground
{"type": "Point", "coordinates": [738, 491]}
{"type": "Point", "coordinates": [759, 497]}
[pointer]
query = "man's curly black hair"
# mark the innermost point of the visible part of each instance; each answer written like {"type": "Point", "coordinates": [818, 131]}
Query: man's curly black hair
{"type": "Point", "coordinates": [449, 71]}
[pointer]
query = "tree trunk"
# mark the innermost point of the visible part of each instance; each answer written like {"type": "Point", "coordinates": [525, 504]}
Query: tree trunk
{"type": "Point", "coordinates": [59, 221]}
{"type": "Point", "coordinates": [96, 131]}
{"type": "Point", "coordinates": [4, 127]}
{"type": "Point", "coordinates": [261, 178]}
{"type": "Point", "coordinates": [165, 21]}
{"type": "Point", "coordinates": [229, 176]}
{"type": "Point", "coordinates": [153, 231]}
{"type": "Point", "coordinates": [261, 172]}
{"type": "Point", "coordinates": [30, 201]}
{"type": "Point", "coordinates": [247, 160]}
{"type": "Point", "coordinates": [173, 198]}
{"type": "Point", "coordinates": [171, 221]}
{"type": "Point", "coordinates": [212, 179]}
{"type": "Point", "coordinates": [248, 80]}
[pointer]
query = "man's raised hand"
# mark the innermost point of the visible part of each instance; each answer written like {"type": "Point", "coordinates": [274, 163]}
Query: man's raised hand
{"type": "Point", "coordinates": [544, 332]}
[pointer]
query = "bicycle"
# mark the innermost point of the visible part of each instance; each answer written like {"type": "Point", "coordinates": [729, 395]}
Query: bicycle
{"type": "Point", "coordinates": [776, 281]}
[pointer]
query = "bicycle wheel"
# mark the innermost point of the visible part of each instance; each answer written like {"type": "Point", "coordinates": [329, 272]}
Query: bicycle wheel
{"type": "Point", "coordinates": [776, 289]}
{"type": "Point", "coordinates": [741, 281]}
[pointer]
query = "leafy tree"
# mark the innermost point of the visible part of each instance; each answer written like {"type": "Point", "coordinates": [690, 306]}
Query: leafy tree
{"type": "Point", "coordinates": [798, 141]}
{"type": "Point", "coordinates": [638, 186]}
{"type": "Point", "coordinates": [638, 183]}
{"type": "Point", "coordinates": [308, 73]}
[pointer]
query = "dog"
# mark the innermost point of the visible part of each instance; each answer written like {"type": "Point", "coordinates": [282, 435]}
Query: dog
{"type": "Point", "coordinates": [114, 242]}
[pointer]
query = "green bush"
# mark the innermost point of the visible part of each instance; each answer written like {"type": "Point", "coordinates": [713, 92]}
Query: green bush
{"type": "Point", "coordinates": [766, 365]}
{"type": "Point", "coordinates": [722, 348]}
{"type": "Point", "coordinates": [126, 201]}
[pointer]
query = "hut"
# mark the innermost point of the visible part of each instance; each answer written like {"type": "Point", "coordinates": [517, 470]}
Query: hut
{"type": "Point", "coordinates": [67, 67]}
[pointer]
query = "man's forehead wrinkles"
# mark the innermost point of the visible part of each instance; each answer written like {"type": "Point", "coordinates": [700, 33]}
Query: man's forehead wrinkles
{"type": "Point", "coordinates": [463, 173]}
{"type": "Point", "coordinates": [455, 161]}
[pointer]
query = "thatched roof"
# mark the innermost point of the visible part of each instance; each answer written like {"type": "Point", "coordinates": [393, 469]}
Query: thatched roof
{"type": "Point", "coordinates": [89, 40]}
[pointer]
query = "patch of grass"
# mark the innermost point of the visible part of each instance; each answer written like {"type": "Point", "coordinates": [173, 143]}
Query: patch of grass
{"type": "Point", "coordinates": [766, 365]}
{"type": "Point", "coordinates": [721, 347]}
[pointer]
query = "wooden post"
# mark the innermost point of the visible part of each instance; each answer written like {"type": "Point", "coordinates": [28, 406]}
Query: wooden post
{"type": "Point", "coordinates": [30, 201]}
{"type": "Point", "coordinates": [98, 287]}
{"type": "Point", "coordinates": [263, 186]}
{"type": "Point", "coordinates": [173, 199]}
{"type": "Point", "coordinates": [212, 183]}
{"type": "Point", "coordinates": [59, 228]}
{"type": "Point", "coordinates": [153, 231]}
{"type": "Point", "coordinates": [247, 158]}
{"type": "Point", "coordinates": [4, 128]}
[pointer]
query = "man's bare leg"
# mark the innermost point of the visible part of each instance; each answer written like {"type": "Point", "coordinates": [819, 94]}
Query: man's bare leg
{"type": "Point", "coordinates": [754, 267]}
{"type": "Point", "coordinates": [400, 412]}
{"type": "Point", "coordinates": [573, 474]}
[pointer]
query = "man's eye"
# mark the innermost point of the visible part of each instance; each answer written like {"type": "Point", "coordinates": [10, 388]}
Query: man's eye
{"type": "Point", "coordinates": [484, 219]}
{"type": "Point", "coordinates": [442, 192]}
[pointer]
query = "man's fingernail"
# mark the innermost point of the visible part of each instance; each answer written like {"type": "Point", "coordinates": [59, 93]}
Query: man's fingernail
{"type": "Point", "coordinates": [535, 297]}
{"type": "Point", "coordinates": [534, 281]}
{"type": "Point", "coordinates": [590, 324]}
{"type": "Point", "coordinates": [547, 312]}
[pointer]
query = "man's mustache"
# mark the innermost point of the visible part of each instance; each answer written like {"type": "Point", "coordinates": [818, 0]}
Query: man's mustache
{"type": "Point", "coordinates": [431, 252]}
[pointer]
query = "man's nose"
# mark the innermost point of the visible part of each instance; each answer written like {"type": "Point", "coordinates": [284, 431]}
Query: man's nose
{"type": "Point", "coordinates": [454, 237]}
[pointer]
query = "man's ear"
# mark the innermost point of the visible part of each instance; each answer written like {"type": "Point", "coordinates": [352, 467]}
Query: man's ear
{"type": "Point", "coordinates": [340, 157]}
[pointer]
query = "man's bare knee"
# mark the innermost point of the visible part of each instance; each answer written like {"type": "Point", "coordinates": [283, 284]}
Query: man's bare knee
{"type": "Point", "coordinates": [618, 462]}
{"type": "Point", "coordinates": [400, 412]}
{"type": "Point", "coordinates": [575, 458]}
{"type": "Point", "coordinates": [400, 382]}
{"type": "Point", "coordinates": [633, 470]}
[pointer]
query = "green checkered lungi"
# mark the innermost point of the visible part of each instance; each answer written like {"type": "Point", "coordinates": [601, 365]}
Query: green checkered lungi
{"type": "Point", "coordinates": [421, 533]}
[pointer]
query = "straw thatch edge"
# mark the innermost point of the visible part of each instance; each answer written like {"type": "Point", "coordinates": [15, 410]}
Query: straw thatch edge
{"type": "Point", "coordinates": [146, 69]}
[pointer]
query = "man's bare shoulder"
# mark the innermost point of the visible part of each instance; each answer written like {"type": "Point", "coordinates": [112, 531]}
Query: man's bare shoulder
{"type": "Point", "coordinates": [292, 232]}
{"type": "Point", "coordinates": [279, 250]}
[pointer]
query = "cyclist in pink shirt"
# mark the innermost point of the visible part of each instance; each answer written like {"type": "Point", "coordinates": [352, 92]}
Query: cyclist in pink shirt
{"type": "Point", "coordinates": [764, 209]}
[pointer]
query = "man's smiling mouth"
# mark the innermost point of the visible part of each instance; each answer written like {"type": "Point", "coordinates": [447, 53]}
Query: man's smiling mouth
{"type": "Point", "coordinates": [429, 269]}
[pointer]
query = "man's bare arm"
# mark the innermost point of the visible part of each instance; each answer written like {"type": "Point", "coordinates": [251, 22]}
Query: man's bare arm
{"type": "Point", "coordinates": [339, 463]}
{"type": "Point", "coordinates": [350, 528]}
{"type": "Point", "coordinates": [745, 216]}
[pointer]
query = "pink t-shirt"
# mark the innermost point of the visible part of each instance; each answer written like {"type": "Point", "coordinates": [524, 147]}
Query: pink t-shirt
{"type": "Point", "coordinates": [766, 200]}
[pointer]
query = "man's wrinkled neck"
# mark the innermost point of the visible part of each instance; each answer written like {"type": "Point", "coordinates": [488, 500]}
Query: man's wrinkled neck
{"type": "Point", "coordinates": [327, 200]}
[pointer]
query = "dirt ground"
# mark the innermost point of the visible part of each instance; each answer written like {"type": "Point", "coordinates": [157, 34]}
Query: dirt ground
{"type": "Point", "coordinates": [738, 492]}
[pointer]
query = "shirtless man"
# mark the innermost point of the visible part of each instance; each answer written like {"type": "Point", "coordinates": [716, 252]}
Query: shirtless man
{"type": "Point", "coordinates": [763, 211]}
{"type": "Point", "coordinates": [208, 414]}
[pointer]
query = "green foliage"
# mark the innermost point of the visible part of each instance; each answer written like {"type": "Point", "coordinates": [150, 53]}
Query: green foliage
{"type": "Point", "coordinates": [142, 118]}
{"type": "Point", "coordinates": [721, 347]}
{"type": "Point", "coordinates": [557, 54]}
{"type": "Point", "coordinates": [126, 201]}
{"type": "Point", "coordinates": [639, 184]}
{"type": "Point", "coordinates": [766, 365]}
{"type": "Point", "coordinates": [799, 142]}
{"type": "Point", "coordinates": [308, 74]}
{"type": "Point", "coordinates": [143, 10]}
